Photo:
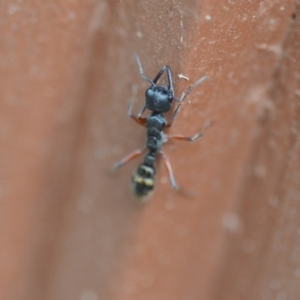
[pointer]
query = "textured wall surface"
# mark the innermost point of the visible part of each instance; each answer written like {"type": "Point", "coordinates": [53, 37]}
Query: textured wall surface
{"type": "Point", "coordinates": [69, 226]}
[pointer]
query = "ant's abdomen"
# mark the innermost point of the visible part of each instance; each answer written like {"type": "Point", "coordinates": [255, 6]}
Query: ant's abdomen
{"type": "Point", "coordinates": [143, 182]}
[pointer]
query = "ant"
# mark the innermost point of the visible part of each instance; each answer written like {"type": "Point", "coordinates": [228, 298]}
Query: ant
{"type": "Point", "coordinates": [159, 100]}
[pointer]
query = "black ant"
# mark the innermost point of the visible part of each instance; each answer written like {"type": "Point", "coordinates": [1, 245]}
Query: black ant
{"type": "Point", "coordinates": [159, 100]}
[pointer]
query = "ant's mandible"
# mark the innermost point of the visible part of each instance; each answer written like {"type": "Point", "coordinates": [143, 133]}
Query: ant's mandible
{"type": "Point", "coordinates": [159, 100]}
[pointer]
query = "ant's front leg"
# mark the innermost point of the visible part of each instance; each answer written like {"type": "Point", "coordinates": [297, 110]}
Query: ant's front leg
{"type": "Point", "coordinates": [139, 120]}
{"type": "Point", "coordinates": [184, 95]}
{"type": "Point", "coordinates": [141, 112]}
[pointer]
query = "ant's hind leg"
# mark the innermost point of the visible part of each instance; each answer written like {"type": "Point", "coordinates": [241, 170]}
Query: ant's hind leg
{"type": "Point", "coordinates": [128, 158]}
{"type": "Point", "coordinates": [174, 185]}
{"type": "Point", "coordinates": [169, 170]}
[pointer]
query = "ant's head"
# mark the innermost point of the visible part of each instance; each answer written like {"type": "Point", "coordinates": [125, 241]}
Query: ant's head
{"type": "Point", "coordinates": [159, 98]}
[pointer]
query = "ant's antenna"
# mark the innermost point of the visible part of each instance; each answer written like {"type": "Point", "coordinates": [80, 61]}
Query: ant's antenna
{"type": "Point", "coordinates": [141, 69]}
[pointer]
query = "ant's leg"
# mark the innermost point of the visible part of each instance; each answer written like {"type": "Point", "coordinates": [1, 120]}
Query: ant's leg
{"type": "Point", "coordinates": [184, 95]}
{"type": "Point", "coordinates": [186, 138]}
{"type": "Point", "coordinates": [139, 120]}
{"type": "Point", "coordinates": [141, 112]}
{"type": "Point", "coordinates": [128, 158]}
{"type": "Point", "coordinates": [196, 137]}
{"type": "Point", "coordinates": [174, 185]}
{"type": "Point", "coordinates": [169, 170]}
